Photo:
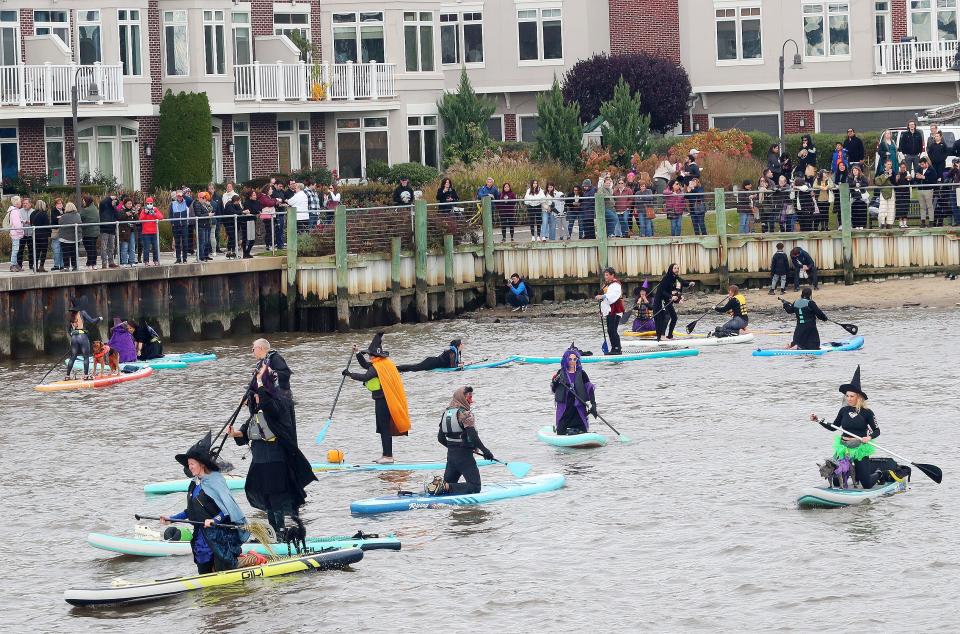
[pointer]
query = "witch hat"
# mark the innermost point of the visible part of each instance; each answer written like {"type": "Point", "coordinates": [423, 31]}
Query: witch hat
{"type": "Point", "coordinates": [77, 304]}
{"type": "Point", "coordinates": [201, 452]}
{"type": "Point", "coordinates": [853, 385]}
{"type": "Point", "coordinates": [646, 284]}
{"type": "Point", "coordinates": [375, 349]}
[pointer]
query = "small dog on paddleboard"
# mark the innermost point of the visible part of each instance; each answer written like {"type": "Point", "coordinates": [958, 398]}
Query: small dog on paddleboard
{"type": "Point", "coordinates": [104, 357]}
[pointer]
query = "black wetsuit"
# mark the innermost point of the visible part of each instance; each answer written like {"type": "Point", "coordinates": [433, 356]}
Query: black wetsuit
{"type": "Point", "coordinates": [449, 358]}
{"type": "Point", "coordinates": [859, 423]}
{"type": "Point", "coordinates": [805, 335]}
{"type": "Point", "coordinates": [80, 343]}
{"type": "Point", "coordinates": [380, 407]}
{"type": "Point", "coordinates": [663, 305]}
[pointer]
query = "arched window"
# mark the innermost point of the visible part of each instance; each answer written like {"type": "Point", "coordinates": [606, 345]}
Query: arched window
{"type": "Point", "coordinates": [109, 147]}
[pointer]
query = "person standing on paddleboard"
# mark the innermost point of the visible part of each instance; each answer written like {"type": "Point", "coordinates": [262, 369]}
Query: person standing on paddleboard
{"type": "Point", "coordinates": [572, 389]}
{"type": "Point", "coordinates": [79, 338]}
{"type": "Point", "coordinates": [449, 358]}
{"type": "Point", "coordinates": [669, 292]}
{"type": "Point", "coordinates": [458, 433]}
{"type": "Point", "coordinates": [737, 307]}
{"type": "Point", "coordinates": [386, 389]}
{"type": "Point", "coordinates": [611, 307]}
{"type": "Point", "coordinates": [643, 310]}
{"type": "Point", "coordinates": [805, 335]}
{"type": "Point", "coordinates": [209, 502]}
{"type": "Point", "coordinates": [278, 376]}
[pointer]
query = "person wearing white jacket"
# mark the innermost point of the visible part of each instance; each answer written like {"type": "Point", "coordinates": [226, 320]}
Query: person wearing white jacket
{"type": "Point", "coordinates": [533, 200]}
{"type": "Point", "coordinates": [301, 203]}
{"type": "Point", "coordinates": [611, 307]}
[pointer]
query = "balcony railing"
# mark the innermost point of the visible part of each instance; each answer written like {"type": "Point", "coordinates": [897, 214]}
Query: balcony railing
{"type": "Point", "coordinates": [313, 82]}
{"type": "Point", "coordinates": [49, 84]}
{"type": "Point", "coordinates": [914, 57]}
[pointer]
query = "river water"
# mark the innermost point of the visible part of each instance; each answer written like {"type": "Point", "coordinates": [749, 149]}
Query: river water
{"type": "Point", "coordinates": [693, 525]}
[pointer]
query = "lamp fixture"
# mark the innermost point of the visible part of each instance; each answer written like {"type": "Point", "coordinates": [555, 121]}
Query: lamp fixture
{"type": "Point", "coordinates": [148, 149]}
{"type": "Point", "coordinates": [803, 122]}
{"type": "Point", "coordinates": [230, 148]}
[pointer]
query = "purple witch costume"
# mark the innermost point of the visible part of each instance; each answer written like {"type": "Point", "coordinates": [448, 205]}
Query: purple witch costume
{"type": "Point", "coordinates": [122, 341]}
{"type": "Point", "coordinates": [572, 411]}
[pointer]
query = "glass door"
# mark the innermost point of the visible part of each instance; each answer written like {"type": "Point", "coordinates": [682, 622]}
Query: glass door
{"type": "Point", "coordinates": [285, 152]}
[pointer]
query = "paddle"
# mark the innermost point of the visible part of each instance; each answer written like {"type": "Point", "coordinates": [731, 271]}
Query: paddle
{"type": "Point", "coordinates": [518, 469]}
{"type": "Point", "coordinates": [230, 421]}
{"type": "Point", "coordinates": [467, 365]}
{"type": "Point", "coordinates": [56, 365]}
{"type": "Point", "coordinates": [693, 324]}
{"type": "Point", "coordinates": [931, 471]}
{"type": "Point", "coordinates": [603, 328]}
{"type": "Point", "coordinates": [323, 430]}
{"type": "Point", "coordinates": [851, 328]}
{"type": "Point", "coordinates": [620, 436]}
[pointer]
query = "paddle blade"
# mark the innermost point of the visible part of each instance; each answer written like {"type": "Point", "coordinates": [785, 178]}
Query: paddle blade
{"type": "Point", "coordinates": [323, 431]}
{"type": "Point", "coordinates": [930, 470]}
{"type": "Point", "coordinates": [691, 326]}
{"type": "Point", "coordinates": [518, 469]}
{"type": "Point", "coordinates": [605, 348]}
{"type": "Point", "coordinates": [851, 328]}
{"type": "Point", "coordinates": [624, 439]}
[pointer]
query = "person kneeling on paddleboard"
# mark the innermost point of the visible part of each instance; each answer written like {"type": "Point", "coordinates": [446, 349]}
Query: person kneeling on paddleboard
{"type": "Point", "coordinates": [643, 310]}
{"type": "Point", "coordinates": [737, 307]}
{"type": "Point", "coordinates": [611, 307]}
{"type": "Point", "coordinates": [805, 335]}
{"type": "Point", "coordinates": [572, 389]}
{"type": "Point", "coordinates": [210, 503]}
{"type": "Point", "coordinates": [449, 358]}
{"type": "Point", "coordinates": [458, 433]}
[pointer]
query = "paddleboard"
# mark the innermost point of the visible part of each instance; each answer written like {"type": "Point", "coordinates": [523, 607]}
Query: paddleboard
{"type": "Point", "coordinates": [666, 344]}
{"type": "Point", "coordinates": [158, 547]}
{"type": "Point", "coordinates": [237, 482]}
{"type": "Point", "coordinates": [166, 362]}
{"type": "Point", "coordinates": [489, 493]}
{"type": "Point", "coordinates": [614, 358]}
{"type": "Point", "coordinates": [103, 380]}
{"type": "Point", "coordinates": [831, 498]}
{"type": "Point", "coordinates": [652, 334]}
{"type": "Point", "coordinates": [577, 441]}
{"type": "Point", "coordinates": [123, 592]}
{"type": "Point", "coordinates": [832, 346]}
{"type": "Point", "coordinates": [479, 366]}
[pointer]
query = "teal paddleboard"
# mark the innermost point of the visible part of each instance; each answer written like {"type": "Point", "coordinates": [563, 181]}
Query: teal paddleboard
{"type": "Point", "coordinates": [832, 346]}
{"type": "Point", "coordinates": [577, 441]}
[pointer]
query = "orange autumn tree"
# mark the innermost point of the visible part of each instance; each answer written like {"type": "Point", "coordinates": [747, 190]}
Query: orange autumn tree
{"type": "Point", "coordinates": [729, 142]}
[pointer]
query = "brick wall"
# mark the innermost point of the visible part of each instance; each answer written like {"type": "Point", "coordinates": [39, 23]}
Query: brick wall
{"type": "Point", "coordinates": [898, 18]}
{"type": "Point", "coordinates": [263, 144]}
{"type": "Point", "coordinates": [318, 134]}
{"type": "Point", "coordinates": [261, 17]}
{"type": "Point", "coordinates": [71, 165]}
{"type": "Point", "coordinates": [149, 127]}
{"type": "Point", "coordinates": [315, 30]}
{"type": "Point", "coordinates": [646, 26]}
{"type": "Point", "coordinates": [229, 173]}
{"type": "Point", "coordinates": [791, 121]}
{"type": "Point", "coordinates": [701, 122]}
{"type": "Point", "coordinates": [33, 150]}
{"type": "Point", "coordinates": [509, 127]}
{"type": "Point", "coordinates": [155, 60]}
{"type": "Point", "coordinates": [26, 28]}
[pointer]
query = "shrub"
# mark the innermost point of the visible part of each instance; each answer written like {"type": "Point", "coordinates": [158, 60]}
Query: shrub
{"type": "Point", "coordinates": [257, 183]}
{"type": "Point", "coordinates": [319, 175]}
{"type": "Point", "coordinates": [559, 134]}
{"type": "Point", "coordinates": [367, 195]}
{"type": "Point", "coordinates": [627, 129]}
{"type": "Point", "coordinates": [23, 184]}
{"type": "Point", "coordinates": [418, 174]}
{"type": "Point", "coordinates": [520, 150]}
{"type": "Point", "coordinates": [183, 152]}
{"type": "Point", "coordinates": [378, 172]}
{"type": "Point", "coordinates": [465, 115]}
{"type": "Point", "coordinates": [659, 145]}
{"type": "Point", "coordinates": [467, 179]}
{"type": "Point", "coordinates": [597, 160]}
{"type": "Point", "coordinates": [725, 171]}
{"type": "Point", "coordinates": [761, 142]}
{"type": "Point", "coordinates": [730, 142]}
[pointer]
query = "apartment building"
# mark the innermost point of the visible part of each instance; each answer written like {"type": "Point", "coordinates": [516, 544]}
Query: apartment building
{"type": "Point", "coordinates": [367, 91]}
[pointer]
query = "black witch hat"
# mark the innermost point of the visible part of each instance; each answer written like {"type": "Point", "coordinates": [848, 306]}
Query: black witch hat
{"type": "Point", "coordinates": [201, 452]}
{"type": "Point", "coordinates": [375, 349]}
{"type": "Point", "coordinates": [853, 385]}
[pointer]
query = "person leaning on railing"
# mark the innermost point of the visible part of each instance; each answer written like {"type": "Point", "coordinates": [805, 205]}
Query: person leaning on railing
{"type": "Point", "coordinates": [69, 236]}
{"type": "Point", "coordinates": [90, 216]}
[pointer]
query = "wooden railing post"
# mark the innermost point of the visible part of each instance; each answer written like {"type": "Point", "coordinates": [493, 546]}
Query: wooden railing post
{"type": "Point", "coordinates": [600, 228]}
{"type": "Point", "coordinates": [489, 263]}
{"type": "Point", "coordinates": [396, 307]}
{"type": "Point", "coordinates": [449, 283]}
{"type": "Point", "coordinates": [343, 273]}
{"type": "Point", "coordinates": [420, 244]}
{"type": "Point", "coordinates": [720, 211]}
{"type": "Point", "coordinates": [846, 233]}
{"type": "Point", "coordinates": [292, 289]}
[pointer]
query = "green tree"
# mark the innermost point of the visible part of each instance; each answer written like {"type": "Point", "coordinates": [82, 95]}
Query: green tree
{"type": "Point", "coordinates": [628, 130]}
{"type": "Point", "coordinates": [559, 132]}
{"type": "Point", "coordinates": [184, 140]}
{"type": "Point", "coordinates": [465, 115]}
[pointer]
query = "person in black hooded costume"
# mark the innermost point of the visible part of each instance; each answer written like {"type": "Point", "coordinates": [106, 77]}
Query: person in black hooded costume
{"type": "Point", "coordinates": [148, 341]}
{"type": "Point", "coordinates": [669, 292]}
{"type": "Point", "coordinates": [279, 471]}
{"type": "Point", "coordinates": [449, 358]}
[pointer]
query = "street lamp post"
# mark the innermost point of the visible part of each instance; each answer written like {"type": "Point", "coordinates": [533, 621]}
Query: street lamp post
{"type": "Point", "coordinates": [92, 91]}
{"type": "Point", "coordinates": [797, 65]}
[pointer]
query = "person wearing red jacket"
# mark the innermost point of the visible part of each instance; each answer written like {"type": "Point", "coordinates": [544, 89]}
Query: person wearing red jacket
{"type": "Point", "coordinates": [611, 307]}
{"type": "Point", "coordinates": [150, 232]}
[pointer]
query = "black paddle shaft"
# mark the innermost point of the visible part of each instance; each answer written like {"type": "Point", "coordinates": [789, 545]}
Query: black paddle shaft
{"type": "Point", "coordinates": [693, 324]}
{"type": "Point", "coordinates": [339, 389]}
{"type": "Point", "coordinates": [573, 391]}
{"type": "Point", "coordinates": [55, 365]}
{"type": "Point", "coordinates": [151, 517]}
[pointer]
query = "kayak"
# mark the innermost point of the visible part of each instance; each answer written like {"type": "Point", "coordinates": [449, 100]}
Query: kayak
{"type": "Point", "coordinates": [578, 441]}
{"type": "Point", "coordinates": [103, 380]}
{"type": "Point", "coordinates": [151, 544]}
{"type": "Point", "coordinates": [166, 362]}
{"type": "Point", "coordinates": [832, 498]}
{"type": "Point", "coordinates": [237, 482]}
{"type": "Point", "coordinates": [489, 493]}
{"type": "Point", "coordinates": [123, 592]}
{"type": "Point", "coordinates": [831, 346]}
{"type": "Point", "coordinates": [688, 343]}
{"type": "Point", "coordinates": [479, 366]}
{"type": "Point", "coordinates": [615, 358]}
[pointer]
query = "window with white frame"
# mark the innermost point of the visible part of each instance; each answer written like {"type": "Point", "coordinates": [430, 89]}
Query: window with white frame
{"type": "Point", "coordinates": [738, 33]}
{"type": "Point", "coordinates": [293, 144]}
{"type": "Point", "coordinates": [933, 20]}
{"type": "Point", "coordinates": [422, 137]}
{"type": "Point", "coordinates": [213, 42]}
{"type": "Point", "coordinates": [9, 38]}
{"type": "Point", "coordinates": [418, 40]}
{"type": "Point", "coordinates": [176, 52]}
{"type": "Point", "coordinates": [241, 149]}
{"type": "Point", "coordinates": [495, 127]}
{"type": "Point", "coordinates": [292, 18]}
{"type": "Point", "coordinates": [242, 40]}
{"type": "Point", "coordinates": [361, 141]}
{"type": "Point", "coordinates": [529, 125]}
{"type": "Point", "coordinates": [540, 34]}
{"type": "Point", "coordinates": [88, 37]}
{"type": "Point", "coordinates": [55, 154]}
{"type": "Point", "coordinates": [358, 37]}
{"type": "Point", "coordinates": [461, 37]}
{"type": "Point", "coordinates": [109, 148]}
{"type": "Point", "coordinates": [216, 149]}
{"type": "Point", "coordinates": [826, 29]}
{"type": "Point", "coordinates": [9, 152]}
{"type": "Point", "coordinates": [882, 31]}
{"type": "Point", "coordinates": [52, 23]}
{"type": "Point", "coordinates": [128, 23]}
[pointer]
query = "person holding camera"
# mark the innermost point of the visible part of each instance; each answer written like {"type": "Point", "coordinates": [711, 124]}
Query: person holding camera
{"type": "Point", "coordinates": [517, 295]}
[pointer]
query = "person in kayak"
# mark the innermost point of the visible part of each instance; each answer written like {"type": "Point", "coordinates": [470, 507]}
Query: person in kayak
{"type": "Point", "coordinates": [859, 425]}
{"type": "Point", "coordinates": [611, 307]}
{"type": "Point", "coordinates": [572, 389]}
{"type": "Point", "coordinates": [122, 341]}
{"type": "Point", "coordinates": [458, 433]}
{"type": "Point", "coordinates": [79, 338]}
{"type": "Point", "coordinates": [380, 376]}
{"type": "Point", "coordinates": [148, 341]}
{"type": "Point", "coordinates": [279, 472]}
{"type": "Point", "coordinates": [669, 292]}
{"type": "Point", "coordinates": [449, 358]}
{"type": "Point", "coordinates": [736, 306]}
{"type": "Point", "coordinates": [805, 335]}
{"type": "Point", "coordinates": [278, 376]}
{"type": "Point", "coordinates": [215, 548]}
{"type": "Point", "coordinates": [643, 310]}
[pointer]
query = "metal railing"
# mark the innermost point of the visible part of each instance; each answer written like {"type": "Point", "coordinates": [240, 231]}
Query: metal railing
{"type": "Point", "coordinates": [912, 57]}
{"type": "Point", "coordinates": [49, 84]}
{"type": "Point", "coordinates": [318, 82]}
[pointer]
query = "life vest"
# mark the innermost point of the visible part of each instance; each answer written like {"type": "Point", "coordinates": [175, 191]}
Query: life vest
{"type": "Point", "coordinates": [373, 384]}
{"type": "Point", "coordinates": [616, 308]}
{"type": "Point", "coordinates": [740, 299]}
{"type": "Point", "coordinates": [801, 308]}
{"type": "Point", "coordinates": [200, 507]}
{"type": "Point", "coordinates": [104, 353]}
{"type": "Point", "coordinates": [452, 429]}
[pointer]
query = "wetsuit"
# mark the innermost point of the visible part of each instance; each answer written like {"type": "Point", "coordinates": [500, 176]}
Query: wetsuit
{"type": "Point", "coordinates": [371, 381]}
{"type": "Point", "coordinates": [737, 307]}
{"type": "Point", "coordinates": [214, 548]}
{"type": "Point", "coordinates": [449, 358]}
{"type": "Point", "coordinates": [669, 292]}
{"type": "Point", "coordinates": [80, 341]}
{"type": "Point", "coordinates": [459, 435]}
{"type": "Point", "coordinates": [858, 423]}
{"type": "Point", "coordinates": [805, 335]}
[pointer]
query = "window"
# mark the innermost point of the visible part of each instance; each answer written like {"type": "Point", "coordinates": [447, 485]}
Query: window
{"type": "Point", "coordinates": [55, 163]}
{"type": "Point", "coordinates": [495, 127]}
{"type": "Point", "coordinates": [881, 22]}
{"type": "Point", "coordinates": [175, 50]}
{"type": "Point", "coordinates": [109, 148]}
{"type": "Point", "coordinates": [9, 38]}
{"type": "Point", "coordinates": [213, 42]}
{"type": "Point", "coordinates": [359, 143]}
{"type": "Point", "coordinates": [216, 149]}
{"type": "Point", "coordinates": [422, 135]}
{"type": "Point", "coordinates": [923, 15]}
{"type": "Point", "coordinates": [529, 125]}
{"type": "Point", "coordinates": [352, 34]}
{"type": "Point", "coordinates": [826, 30]}
{"type": "Point", "coordinates": [52, 23]}
{"type": "Point", "coordinates": [418, 40]}
{"type": "Point", "coordinates": [242, 42]}
{"type": "Point", "coordinates": [293, 144]}
{"type": "Point", "coordinates": [461, 38]}
{"type": "Point", "coordinates": [9, 154]}
{"type": "Point", "coordinates": [738, 34]}
{"type": "Point", "coordinates": [129, 25]}
{"type": "Point", "coordinates": [540, 34]}
{"type": "Point", "coordinates": [241, 150]}
{"type": "Point", "coordinates": [88, 36]}
{"type": "Point", "coordinates": [288, 19]}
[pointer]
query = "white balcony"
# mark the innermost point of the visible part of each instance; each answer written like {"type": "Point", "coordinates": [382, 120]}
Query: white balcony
{"type": "Point", "coordinates": [49, 84]}
{"type": "Point", "coordinates": [914, 57]}
{"type": "Point", "coordinates": [313, 82]}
